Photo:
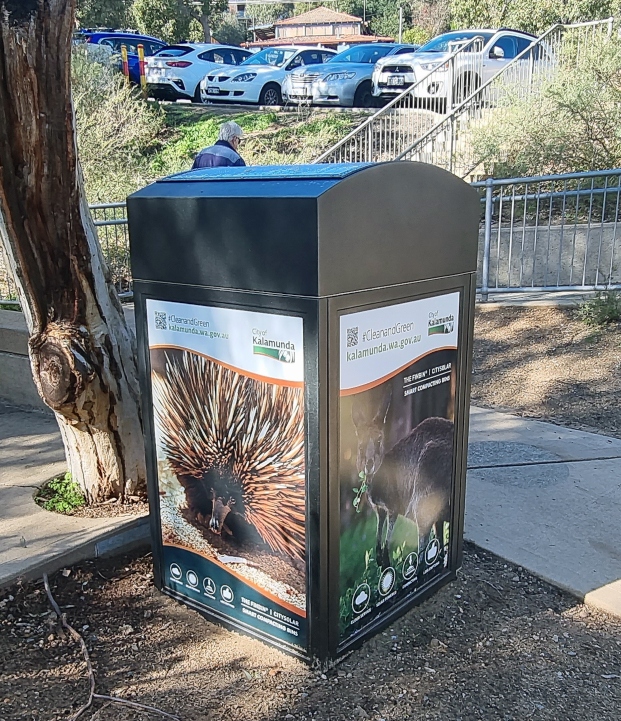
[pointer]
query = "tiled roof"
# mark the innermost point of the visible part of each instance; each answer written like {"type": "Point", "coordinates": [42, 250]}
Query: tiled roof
{"type": "Point", "coordinates": [318, 16]}
{"type": "Point", "coordinates": [312, 40]}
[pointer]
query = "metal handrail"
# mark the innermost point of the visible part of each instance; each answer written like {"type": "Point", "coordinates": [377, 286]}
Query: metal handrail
{"type": "Point", "coordinates": [479, 92]}
{"type": "Point", "coordinates": [389, 106]}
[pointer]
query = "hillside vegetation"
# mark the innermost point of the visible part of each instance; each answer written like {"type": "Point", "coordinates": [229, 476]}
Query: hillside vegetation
{"type": "Point", "coordinates": [126, 143]}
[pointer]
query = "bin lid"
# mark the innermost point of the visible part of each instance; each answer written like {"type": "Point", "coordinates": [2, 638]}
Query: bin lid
{"type": "Point", "coordinates": [305, 230]}
{"type": "Point", "coordinates": [324, 171]}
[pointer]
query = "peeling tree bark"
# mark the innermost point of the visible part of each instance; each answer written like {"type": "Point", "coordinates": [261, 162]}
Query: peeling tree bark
{"type": "Point", "coordinates": [82, 353]}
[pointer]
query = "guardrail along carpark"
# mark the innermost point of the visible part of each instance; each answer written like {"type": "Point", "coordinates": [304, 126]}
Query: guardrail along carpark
{"type": "Point", "coordinates": [547, 233]}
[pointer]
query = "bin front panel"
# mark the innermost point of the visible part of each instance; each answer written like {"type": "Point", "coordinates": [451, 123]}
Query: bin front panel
{"type": "Point", "coordinates": [398, 380]}
{"type": "Point", "coordinates": [228, 416]}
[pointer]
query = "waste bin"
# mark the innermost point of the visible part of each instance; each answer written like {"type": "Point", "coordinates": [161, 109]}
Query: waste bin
{"type": "Point", "coordinates": [305, 338]}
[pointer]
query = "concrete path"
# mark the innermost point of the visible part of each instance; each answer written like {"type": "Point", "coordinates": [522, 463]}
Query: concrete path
{"type": "Point", "coordinates": [548, 499]}
{"type": "Point", "coordinates": [33, 540]}
{"type": "Point", "coordinates": [543, 497]}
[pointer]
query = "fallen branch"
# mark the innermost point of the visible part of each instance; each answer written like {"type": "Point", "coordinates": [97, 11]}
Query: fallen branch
{"type": "Point", "coordinates": [91, 674]}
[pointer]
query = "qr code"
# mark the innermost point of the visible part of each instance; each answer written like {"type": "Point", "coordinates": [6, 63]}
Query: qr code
{"type": "Point", "coordinates": [352, 337]}
{"type": "Point", "coordinates": [160, 320]}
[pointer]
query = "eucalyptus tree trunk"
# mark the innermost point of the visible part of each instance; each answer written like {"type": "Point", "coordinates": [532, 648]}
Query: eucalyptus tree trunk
{"type": "Point", "coordinates": [81, 350]}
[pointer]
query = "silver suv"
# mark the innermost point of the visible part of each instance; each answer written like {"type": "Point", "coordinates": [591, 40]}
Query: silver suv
{"type": "Point", "coordinates": [453, 80]}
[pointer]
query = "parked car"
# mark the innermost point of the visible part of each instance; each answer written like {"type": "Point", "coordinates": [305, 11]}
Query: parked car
{"type": "Point", "coordinates": [346, 79]}
{"type": "Point", "coordinates": [260, 77]}
{"type": "Point", "coordinates": [111, 41]}
{"type": "Point", "coordinates": [468, 71]}
{"type": "Point", "coordinates": [177, 70]}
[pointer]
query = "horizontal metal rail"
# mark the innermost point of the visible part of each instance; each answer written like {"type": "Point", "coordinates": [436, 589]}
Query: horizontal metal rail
{"type": "Point", "coordinates": [548, 233]}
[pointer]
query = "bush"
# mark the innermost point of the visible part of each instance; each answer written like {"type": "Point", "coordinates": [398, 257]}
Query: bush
{"type": "Point", "coordinates": [571, 123]}
{"type": "Point", "coordinates": [61, 494]}
{"type": "Point", "coordinates": [117, 131]}
{"type": "Point", "coordinates": [601, 310]}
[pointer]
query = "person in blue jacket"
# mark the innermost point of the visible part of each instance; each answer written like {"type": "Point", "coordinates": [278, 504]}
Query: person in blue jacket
{"type": "Point", "coordinates": [224, 152]}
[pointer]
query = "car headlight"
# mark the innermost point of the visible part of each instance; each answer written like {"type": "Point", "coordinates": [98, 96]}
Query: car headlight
{"type": "Point", "coordinates": [434, 66]}
{"type": "Point", "coordinates": [339, 76]}
{"type": "Point", "coordinates": [244, 78]}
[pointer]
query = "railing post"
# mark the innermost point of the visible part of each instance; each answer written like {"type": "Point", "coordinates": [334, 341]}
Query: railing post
{"type": "Point", "coordinates": [487, 239]}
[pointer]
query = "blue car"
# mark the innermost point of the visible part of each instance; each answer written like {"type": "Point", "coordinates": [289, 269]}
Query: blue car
{"type": "Point", "coordinates": [115, 39]}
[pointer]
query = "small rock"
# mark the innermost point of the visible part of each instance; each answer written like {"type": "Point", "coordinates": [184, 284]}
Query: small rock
{"type": "Point", "coordinates": [273, 672]}
{"type": "Point", "coordinates": [126, 629]}
{"type": "Point", "coordinates": [434, 643]}
{"type": "Point", "coordinates": [148, 614]}
{"type": "Point", "coordinates": [555, 638]}
{"type": "Point", "coordinates": [134, 646]}
{"type": "Point", "coordinates": [323, 676]}
{"type": "Point", "coordinates": [289, 716]}
{"type": "Point", "coordinates": [515, 578]}
{"type": "Point", "coordinates": [304, 695]}
{"type": "Point", "coordinates": [50, 637]}
{"type": "Point", "coordinates": [66, 572]}
{"type": "Point", "coordinates": [359, 711]}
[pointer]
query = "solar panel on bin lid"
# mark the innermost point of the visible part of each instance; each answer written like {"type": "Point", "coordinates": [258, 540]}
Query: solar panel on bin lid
{"type": "Point", "coordinates": [325, 171]}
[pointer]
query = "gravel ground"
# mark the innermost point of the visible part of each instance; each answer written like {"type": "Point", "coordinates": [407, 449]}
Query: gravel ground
{"type": "Point", "coordinates": [497, 645]}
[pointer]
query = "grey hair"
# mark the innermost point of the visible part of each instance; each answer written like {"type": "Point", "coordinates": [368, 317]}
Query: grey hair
{"type": "Point", "coordinates": [230, 130]}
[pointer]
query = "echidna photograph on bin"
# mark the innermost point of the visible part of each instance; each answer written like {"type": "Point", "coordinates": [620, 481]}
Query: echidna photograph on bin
{"type": "Point", "coordinates": [228, 397]}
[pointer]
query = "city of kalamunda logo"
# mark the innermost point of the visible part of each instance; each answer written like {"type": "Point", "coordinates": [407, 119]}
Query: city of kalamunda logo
{"type": "Point", "coordinates": [283, 351]}
{"type": "Point", "coordinates": [438, 325]}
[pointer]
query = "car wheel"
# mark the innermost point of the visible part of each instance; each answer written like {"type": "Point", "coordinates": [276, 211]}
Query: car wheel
{"type": "Point", "coordinates": [364, 97]}
{"type": "Point", "coordinates": [270, 95]}
{"type": "Point", "coordinates": [197, 95]}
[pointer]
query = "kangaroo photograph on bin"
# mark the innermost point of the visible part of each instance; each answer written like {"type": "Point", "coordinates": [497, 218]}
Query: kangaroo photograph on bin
{"type": "Point", "coordinates": [396, 453]}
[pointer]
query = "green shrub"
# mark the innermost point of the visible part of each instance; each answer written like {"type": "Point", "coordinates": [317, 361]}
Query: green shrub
{"type": "Point", "coordinates": [569, 123]}
{"type": "Point", "coordinates": [61, 494]}
{"type": "Point", "coordinates": [603, 309]}
{"type": "Point", "coordinates": [117, 131]}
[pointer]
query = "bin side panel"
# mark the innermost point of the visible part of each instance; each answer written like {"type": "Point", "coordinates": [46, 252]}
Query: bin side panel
{"type": "Point", "coordinates": [396, 223]}
{"type": "Point", "coordinates": [256, 244]}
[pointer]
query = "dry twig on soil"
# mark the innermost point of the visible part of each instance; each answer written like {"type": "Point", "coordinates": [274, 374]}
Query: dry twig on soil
{"type": "Point", "coordinates": [91, 675]}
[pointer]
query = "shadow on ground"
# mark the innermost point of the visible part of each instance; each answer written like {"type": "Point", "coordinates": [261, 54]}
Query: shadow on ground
{"type": "Point", "coordinates": [496, 644]}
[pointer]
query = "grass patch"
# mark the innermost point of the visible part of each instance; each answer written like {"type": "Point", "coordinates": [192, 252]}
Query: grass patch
{"type": "Point", "coordinates": [603, 309]}
{"type": "Point", "coordinates": [62, 495]}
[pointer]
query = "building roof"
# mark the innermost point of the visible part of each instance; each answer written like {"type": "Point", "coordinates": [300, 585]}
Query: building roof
{"type": "Point", "coordinates": [312, 40]}
{"type": "Point", "coordinates": [319, 16]}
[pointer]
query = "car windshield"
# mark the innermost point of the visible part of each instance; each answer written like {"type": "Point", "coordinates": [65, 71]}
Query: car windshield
{"type": "Point", "coordinates": [174, 51]}
{"type": "Point", "coordinates": [442, 43]}
{"type": "Point", "coordinates": [361, 54]}
{"type": "Point", "coordinates": [270, 56]}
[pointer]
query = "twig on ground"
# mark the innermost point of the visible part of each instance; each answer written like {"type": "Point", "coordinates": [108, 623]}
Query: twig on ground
{"type": "Point", "coordinates": [91, 675]}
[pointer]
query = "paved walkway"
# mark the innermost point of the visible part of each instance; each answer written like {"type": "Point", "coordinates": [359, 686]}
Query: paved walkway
{"type": "Point", "coordinates": [548, 499]}
{"type": "Point", "coordinates": [543, 497]}
{"type": "Point", "coordinates": [33, 540]}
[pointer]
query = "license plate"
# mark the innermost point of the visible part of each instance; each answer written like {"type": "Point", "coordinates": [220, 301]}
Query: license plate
{"type": "Point", "coordinates": [297, 90]}
{"type": "Point", "coordinates": [156, 71]}
{"type": "Point", "coordinates": [396, 80]}
{"type": "Point", "coordinates": [212, 90]}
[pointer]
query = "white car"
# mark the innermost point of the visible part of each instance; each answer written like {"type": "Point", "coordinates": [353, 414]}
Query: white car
{"type": "Point", "coordinates": [469, 70]}
{"type": "Point", "coordinates": [259, 79]}
{"type": "Point", "coordinates": [177, 70]}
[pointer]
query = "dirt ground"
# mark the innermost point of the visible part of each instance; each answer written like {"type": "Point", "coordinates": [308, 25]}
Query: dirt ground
{"type": "Point", "coordinates": [496, 645]}
{"type": "Point", "coordinates": [543, 363]}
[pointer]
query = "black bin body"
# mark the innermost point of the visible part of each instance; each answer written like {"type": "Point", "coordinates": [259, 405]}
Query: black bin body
{"type": "Point", "coordinates": [305, 337]}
